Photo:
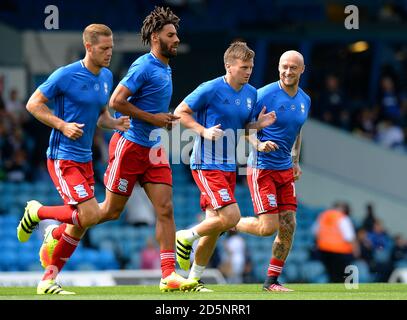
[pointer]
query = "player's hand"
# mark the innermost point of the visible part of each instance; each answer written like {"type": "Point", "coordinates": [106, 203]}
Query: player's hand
{"type": "Point", "coordinates": [267, 146]}
{"type": "Point", "coordinates": [265, 119]}
{"type": "Point", "coordinates": [297, 171]}
{"type": "Point", "coordinates": [167, 120]}
{"type": "Point", "coordinates": [122, 123]}
{"type": "Point", "coordinates": [213, 133]}
{"type": "Point", "coordinates": [72, 130]}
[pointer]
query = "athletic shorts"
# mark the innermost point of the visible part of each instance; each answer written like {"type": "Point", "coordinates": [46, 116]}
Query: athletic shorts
{"type": "Point", "coordinates": [272, 191]}
{"type": "Point", "coordinates": [217, 187]}
{"type": "Point", "coordinates": [74, 180]}
{"type": "Point", "coordinates": [130, 162]}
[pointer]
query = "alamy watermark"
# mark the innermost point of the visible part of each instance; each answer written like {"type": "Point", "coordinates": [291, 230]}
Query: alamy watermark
{"type": "Point", "coordinates": [352, 280]}
{"type": "Point", "coordinates": [230, 149]}
{"type": "Point", "coordinates": [51, 21]}
{"type": "Point", "coordinates": [352, 20]}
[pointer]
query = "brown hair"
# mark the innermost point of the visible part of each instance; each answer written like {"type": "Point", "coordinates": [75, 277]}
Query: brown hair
{"type": "Point", "coordinates": [93, 31]}
{"type": "Point", "coordinates": [238, 50]}
{"type": "Point", "coordinates": [155, 21]}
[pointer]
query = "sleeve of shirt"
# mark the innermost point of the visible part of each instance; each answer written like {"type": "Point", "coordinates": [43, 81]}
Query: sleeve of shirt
{"type": "Point", "coordinates": [258, 105]}
{"type": "Point", "coordinates": [135, 78]}
{"type": "Point", "coordinates": [346, 227]}
{"type": "Point", "coordinates": [55, 84]}
{"type": "Point", "coordinates": [253, 114]}
{"type": "Point", "coordinates": [200, 97]}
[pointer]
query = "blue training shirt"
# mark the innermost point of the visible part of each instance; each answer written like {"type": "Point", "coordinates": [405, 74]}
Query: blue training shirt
{"type": "Point", "coordinates": [291, 113]}
{"type": "Point", "coordinates": [80, 96]}
{"type": "Point", "coordinates": [216, 102]}
{"type": "Point", "coordinates": [150, 83]}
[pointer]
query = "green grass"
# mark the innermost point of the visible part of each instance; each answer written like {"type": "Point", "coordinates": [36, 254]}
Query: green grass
{"type": "Point", "coordinates": [373, 291]}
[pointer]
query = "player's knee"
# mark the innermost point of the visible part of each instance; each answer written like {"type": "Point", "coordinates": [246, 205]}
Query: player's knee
{"type": "Point", "coordinates": [230, 221]}
{"type": "Point", "coordinates": [165, 210]}
{"type": "Point", "coordinates": [88, 219]}
{"type": "Point", "coordinates": [267, 230]}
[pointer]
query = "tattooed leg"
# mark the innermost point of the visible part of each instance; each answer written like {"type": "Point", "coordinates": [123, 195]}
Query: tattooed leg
{"type": "Point", "coordinates": [284, 239]}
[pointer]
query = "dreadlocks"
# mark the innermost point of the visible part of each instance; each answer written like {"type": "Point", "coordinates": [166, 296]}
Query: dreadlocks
{"type": "Point", "coordinates": [155, 21]}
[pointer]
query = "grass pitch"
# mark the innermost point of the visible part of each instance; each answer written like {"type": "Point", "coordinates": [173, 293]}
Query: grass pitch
{"type": "Point", "coordinates": [372, 291]}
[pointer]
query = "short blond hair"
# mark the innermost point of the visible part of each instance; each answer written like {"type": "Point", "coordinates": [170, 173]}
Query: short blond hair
{"type": "Point", "coordinates": [93, 31]}
{"type": "Point", "coordinates": [238, 50]}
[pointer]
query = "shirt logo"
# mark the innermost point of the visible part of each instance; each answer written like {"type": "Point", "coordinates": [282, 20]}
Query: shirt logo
{"type": "Point", "coordinates": [272, 200]}
{"type": "Point", "coordinates": [80, 191]}
{"type": "Point", "coordinates": [249, 103]}
{"type": "Point", "coordinates": [96, 87]}
{"type": "Point", "coordinates": [281, 108]}
{"type": "Point", "coordinates": [224, 194]}
{"type": "Point", "coordinates": [226, 101]}
{"type": "Point", "coordinates": [237, 101]}
{"type": "Point", "coordinates": [84, 87]}
{"type": "Point", "coordinates": [292, 107]}
{"type": "Point", "coordinates": [302, 108]}
{"type": "Point", "coordinates": [106, 88]}
{"type": "Point", "coordinates": [123, 183]}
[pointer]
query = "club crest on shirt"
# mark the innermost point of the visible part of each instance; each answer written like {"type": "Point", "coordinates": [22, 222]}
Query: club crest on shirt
{"type": "Point", "coordinates": [249, 103]}
{"type": "Point", "coordinates": [272, 200]}
{"type": "Point", "coordinates": [302, 108]}
{"type": "Point", "coordinates": [237, 102]}
{"type": "Point", "coordinates": [96, 87]}
{"type": "Point", "coordinates": [123, 183]}
{"type": "Point", "coordinates": [106, 88]}
{"type": "Point", "coordinates": [224, 194]}
{"type": "Point", "coordinates": [292, 107]}
{"type": "Point", "coordinates": [80, 191]}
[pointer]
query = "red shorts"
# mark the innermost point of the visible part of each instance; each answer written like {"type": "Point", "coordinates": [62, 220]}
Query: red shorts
{"type": "Point", "coordinates": [217, 187]}
{"type": "Point", "coordinates": [73, 180]}
{"type": "Point", "coordinates": [130, 162]}
{"type": "Point", "coordinates": [272, 191]}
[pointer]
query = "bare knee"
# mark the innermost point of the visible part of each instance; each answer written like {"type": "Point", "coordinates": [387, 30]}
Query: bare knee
{"type": "Point", "coordinates": [268, 229]}
{"type": "Point", "coordinates": [88, 218]}
{"type": "Point", "coordinates": [165, 210]}
{"type": "Point", "coordinates": [230, 221]}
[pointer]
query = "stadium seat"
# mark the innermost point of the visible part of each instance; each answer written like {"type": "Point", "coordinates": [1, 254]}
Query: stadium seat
{"type": "Point", "coordinates": [291, 272]}
{"type": "Point", "coordinates": [313, 271]}
{"type": "Point", "coordinates": [107, 260]}
{"type": "Point", "coordinates": [364, 272]}
{"type": "Point", "coordinates": [8, 260]}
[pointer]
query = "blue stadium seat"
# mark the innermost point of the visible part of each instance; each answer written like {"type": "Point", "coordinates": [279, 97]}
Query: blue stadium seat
{"type": "Point", "coordinates": [107, 260]}
{"type": "Point", "coordinates": [364, 271]}
{"type": "Point", "coordinates": [291, 272]}
{"type": "Point", "coordinates": [313, 271]}
{"type": "Point", "coordinates": [8, 260]}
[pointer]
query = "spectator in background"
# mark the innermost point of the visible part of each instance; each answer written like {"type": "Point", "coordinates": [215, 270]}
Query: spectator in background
{"type": "Point", "coordinates": [399, 251]}
{"type": "Point", "coordinates": [16, 108]}
{"type": "Point", "coordinates": [389, 134]}
{"type": "Point", "coordinates": [370, 218]}
{"type": "Point", "coordinates": [336, 240]}
{"type": "Point", "coordinates": [365, 247]}
{"type": "Point", "coordinates": [379, 236]}
{"type": "Point", "coordinates": [18, 169]}
{"type": "Point", "coordinates": [332, 103]}
{"type": "Point", "coordinates": [150, 256]}
{"type": "Point", "coordinates": [365, 123]}
{"type": "Point", "coordinates": [389, 99]}
{"type": "Point", "coordinates": [382, 244]}
{"type": "Point", "coordinates": [233, 265]}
